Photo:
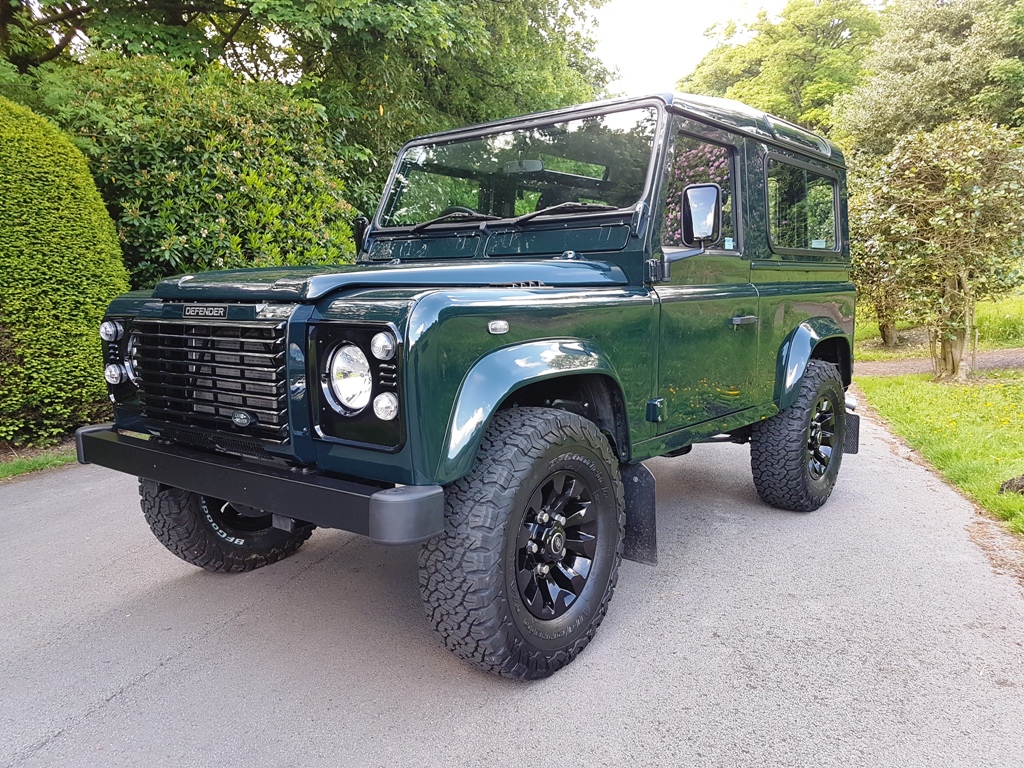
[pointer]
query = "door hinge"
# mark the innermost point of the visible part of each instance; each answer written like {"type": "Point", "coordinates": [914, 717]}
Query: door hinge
{"type": "Point", "coordinates": [657, 271]}
{"type": "Point", "coordinates": [656, 410]}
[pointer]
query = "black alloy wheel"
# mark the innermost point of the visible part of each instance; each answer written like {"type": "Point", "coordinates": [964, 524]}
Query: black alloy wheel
{"type": "Point", "coordinates": [557, 544]}
{"type": "Point", "coordinates": [234, 517]}
{"type": "Point", "coordinates": [821, 437]}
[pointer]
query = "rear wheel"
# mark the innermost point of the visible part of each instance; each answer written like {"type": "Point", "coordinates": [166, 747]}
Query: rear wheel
{"type": "Point", "coordinates": [795, 455]}
{"type": "Point", "coordinates": [214, 534]}
{"type": "Point", "coordinates": [522, 575]}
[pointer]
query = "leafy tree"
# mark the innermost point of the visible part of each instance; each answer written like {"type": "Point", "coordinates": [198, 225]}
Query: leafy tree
{"type": "Point", "coordinates": [203, 170]}
{"type": "Point", "coordinates": [793, 66]}
{"type": "Point", "coordinates": [482, 61]}
{"type": "Point", "coordinates": [876, 271]}
{"type": "Point", "coordinates": [937, 62]}
{"type": "Point", "coordinates": [385, 70]}
{"type": "Point", "coordinates": [940, 229]}
{"type": "Point", "coordinates": [257, 32]}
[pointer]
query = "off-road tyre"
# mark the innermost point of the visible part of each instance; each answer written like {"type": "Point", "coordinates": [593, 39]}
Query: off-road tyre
{"type": "Point", "coordinates": [195, 528]}
{"type": "Point", "coordinates": [470, 575]}
{"type": "Point", "coordinates": [782, 448]}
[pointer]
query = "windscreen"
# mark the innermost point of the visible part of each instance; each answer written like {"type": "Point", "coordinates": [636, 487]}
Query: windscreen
{"type": "Point", "coordinates": [600, 159]}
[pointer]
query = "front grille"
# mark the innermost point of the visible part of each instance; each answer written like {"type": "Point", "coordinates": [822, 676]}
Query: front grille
{"type": "Point", "coordinates": [198, 374]}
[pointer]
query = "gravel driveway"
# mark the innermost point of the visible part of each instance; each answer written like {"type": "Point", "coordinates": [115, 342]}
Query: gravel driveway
{"type": "Point", "coordinates": [874, 632]}
{"type": "Point", "coordinates": [987, 360]}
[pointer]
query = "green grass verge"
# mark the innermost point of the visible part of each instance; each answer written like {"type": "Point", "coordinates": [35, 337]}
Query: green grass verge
{"type": "Point", "coordinates": [972, 433]}
{"type": "Point", "coordinates": [52, 458]}
{"type": "Point", "coordinates": [1001, 323]}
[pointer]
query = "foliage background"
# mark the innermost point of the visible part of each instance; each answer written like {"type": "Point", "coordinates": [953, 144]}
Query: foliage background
{"type": "Point", "coordinates": [203, 171]}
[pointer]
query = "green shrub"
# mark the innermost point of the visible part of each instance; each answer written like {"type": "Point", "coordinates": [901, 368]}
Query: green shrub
{"type": "Point", "coordinates": [203, 170]}
{"type": "Point", "coordinates": [60, 266]}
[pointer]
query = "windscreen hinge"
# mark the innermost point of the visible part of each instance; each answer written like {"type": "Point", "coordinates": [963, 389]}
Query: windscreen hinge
{"type": "Point", "coordinates": [656, 271]}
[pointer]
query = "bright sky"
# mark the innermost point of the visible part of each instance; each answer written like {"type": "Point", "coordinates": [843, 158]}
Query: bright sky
{"type": "Point", "coordinates": [653, 43]}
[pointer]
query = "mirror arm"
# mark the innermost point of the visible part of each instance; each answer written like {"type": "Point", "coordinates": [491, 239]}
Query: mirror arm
{"type": "Point", "coordinates": [678, 255]}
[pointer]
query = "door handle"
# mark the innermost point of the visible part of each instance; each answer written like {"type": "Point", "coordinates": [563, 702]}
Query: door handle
{"type": "Point", "coordinates": [743, 320]}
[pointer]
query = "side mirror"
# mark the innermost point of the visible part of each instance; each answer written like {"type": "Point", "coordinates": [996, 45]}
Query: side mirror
{"type": "Point", "coordinates": [702, 215]}
{"type": "Point", "coordinates": [359, 226]}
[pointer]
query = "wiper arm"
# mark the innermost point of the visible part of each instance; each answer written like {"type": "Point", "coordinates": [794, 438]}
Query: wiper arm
{"type": "Point", "coordinates": [453, 217]}
{"type": "Point", "coordinates": [568, 207]}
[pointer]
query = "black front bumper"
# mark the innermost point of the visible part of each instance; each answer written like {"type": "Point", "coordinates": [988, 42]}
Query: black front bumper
{"type": "Point", "coordinates": [403, 515]}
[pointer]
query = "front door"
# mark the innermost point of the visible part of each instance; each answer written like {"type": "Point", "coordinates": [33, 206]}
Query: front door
{"type": "Point", "coordinates": [709, 324]}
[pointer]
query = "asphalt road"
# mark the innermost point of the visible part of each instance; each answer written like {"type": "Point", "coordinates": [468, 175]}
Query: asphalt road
{"type": "Point", "coordinates": [873, 632]}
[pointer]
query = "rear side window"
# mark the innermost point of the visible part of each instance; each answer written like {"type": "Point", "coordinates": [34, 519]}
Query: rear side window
{"type": "Point", "coordinates": [801, 208]}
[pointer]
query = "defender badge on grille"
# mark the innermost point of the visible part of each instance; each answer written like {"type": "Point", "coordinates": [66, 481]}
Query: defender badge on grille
{"type": "Point", "coordinates": [242, 419]}
{"type": "Point", "coordinates": [204, 310]}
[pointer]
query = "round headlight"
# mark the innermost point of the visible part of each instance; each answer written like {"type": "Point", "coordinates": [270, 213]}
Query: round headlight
{"type": "Point", "coordinates": [385, 406]}
{"type": "Point", "coordinates": [111, 330]}
{"type": "Point", "coordinates": [350, 378]}
{"type": "Point", "coordinates": [131, 355]}
{"type": "Point", "coordinates": [383, 346]}
{"type": "Point", "coordinates": [114, 374]}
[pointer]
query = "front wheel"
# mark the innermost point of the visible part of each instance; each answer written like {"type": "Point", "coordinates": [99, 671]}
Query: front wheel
{"type": "Point", "coordinates": [795, 455]}
{"type": "Point", "coordinates": [214, 534]}
{"type": "Point", "coordinates": [522, 575]}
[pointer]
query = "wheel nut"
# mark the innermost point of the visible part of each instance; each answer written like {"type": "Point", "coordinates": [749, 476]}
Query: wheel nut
{"type": "Point", "coordinates": [559, 519]}
{"type": "Point", "coordinates": [532, 547]}
{"type": "Point", "coordinates": [543, 517]}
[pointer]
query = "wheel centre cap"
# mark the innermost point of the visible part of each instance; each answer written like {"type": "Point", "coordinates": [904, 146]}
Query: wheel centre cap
{"type": "Point", "coordinates": [554, 542]}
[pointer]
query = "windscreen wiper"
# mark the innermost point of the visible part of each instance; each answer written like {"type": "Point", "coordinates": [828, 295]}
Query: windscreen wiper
{"type": "Point", "coordinates": [454, 217]}
{"type": "Point", "coordinates": [569, 207]}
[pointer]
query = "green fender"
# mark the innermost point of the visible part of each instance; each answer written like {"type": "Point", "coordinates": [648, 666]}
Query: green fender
{"type": "Point", "coordinates": [497, 375]}
{"type": "Point", "coordinates": [797, 350]}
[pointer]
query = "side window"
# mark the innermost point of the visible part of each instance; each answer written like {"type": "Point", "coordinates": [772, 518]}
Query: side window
{"type": "Point", "coordinates": [801, 208]}
{"type": "Point", "coordinates": [695, 161]}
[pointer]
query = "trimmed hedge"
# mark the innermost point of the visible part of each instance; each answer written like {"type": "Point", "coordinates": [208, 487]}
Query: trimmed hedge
{"type": "Point", "coordinates": [60, 265]}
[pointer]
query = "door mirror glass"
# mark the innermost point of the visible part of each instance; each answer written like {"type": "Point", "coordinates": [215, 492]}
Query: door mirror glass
{"type": "Point", "coordinates": [702, 214]}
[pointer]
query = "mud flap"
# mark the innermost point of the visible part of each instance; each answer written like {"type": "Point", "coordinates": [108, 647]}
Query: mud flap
{"type": "Point", "coordinates": [851, 437]}
{"type": "Point", "coordinates": [641, 544]}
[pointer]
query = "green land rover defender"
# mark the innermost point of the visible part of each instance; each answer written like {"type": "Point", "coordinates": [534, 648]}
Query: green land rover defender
{"type": "Point", "coordinates": [538, 305]}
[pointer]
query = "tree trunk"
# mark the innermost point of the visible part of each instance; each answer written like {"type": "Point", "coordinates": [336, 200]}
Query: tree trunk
{"type": "Point", "coordinates": [952, 329]}
{"type": "Point", "coordinates": [6, 19]}
{"type": "Point", "coordinates": [888, 332]}
{"type": "Point", "coordinates": [951, 356]}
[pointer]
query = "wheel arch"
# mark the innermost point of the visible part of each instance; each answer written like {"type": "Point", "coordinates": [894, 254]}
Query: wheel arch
{"type": "Point", "coordinates": [820, 338]}
{"type": "Point", "coordinates": [569, 374]}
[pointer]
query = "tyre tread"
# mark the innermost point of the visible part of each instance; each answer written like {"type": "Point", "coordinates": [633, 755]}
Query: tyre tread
{"type": "Point", "coordinates": [778, 445]}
